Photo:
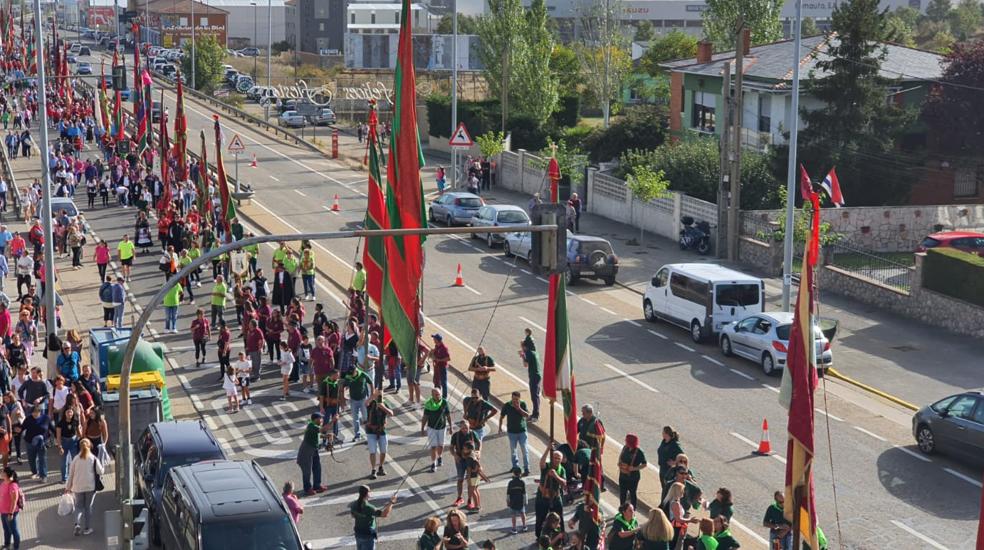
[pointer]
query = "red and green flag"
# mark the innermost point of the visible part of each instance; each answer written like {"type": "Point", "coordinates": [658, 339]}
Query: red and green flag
{"type": "Point", "coordinates": [374, 253]}
{"type": "Point", "coordinates": [404, 206]}
{"type": "Point", "coordinates": [204, 204]}
{"type": "Point", "coordinates": [222, 182]}
{"type": "Point", "coordinates": [103, 118]}
{"type": "Point", "coordinates": [558, 367]}
{"type": "Point", "coordinates": [165, 205]}
{"type": "Point", "coordinates": [181, 134]}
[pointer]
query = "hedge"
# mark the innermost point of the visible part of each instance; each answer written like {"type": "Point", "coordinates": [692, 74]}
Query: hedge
{"type": "Point", "coordinates": [479, 116]}
{"type": "Point", "coordinates": [955, 273]}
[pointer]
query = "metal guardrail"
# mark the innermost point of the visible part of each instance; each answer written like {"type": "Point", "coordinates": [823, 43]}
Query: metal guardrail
{"type": "Point", "coordinates": [8, 175]}
{"type": "Point", "coordinates": [871, 265]}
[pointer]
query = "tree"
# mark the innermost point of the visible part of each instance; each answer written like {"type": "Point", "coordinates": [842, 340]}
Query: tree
{"type": "Point", "coordinates": [644, 32]}
{"type": "Point", "coordinates": [646, 185]}
{"type": "Point", "coordinates": [209, 55]}
{"type": "Point", "coordinates": [499, 33]}
{"type": "Point", "coordinates": [280, 47]}
{"type": "Point", "coordinates": [856, 129]}
{"type": "Point", "coordinates": [673, 45]}
{"type": "Point", "coordinates": [938, 10]}
{"type": "Point", "coordinates": [642, 127]}
{"type": "Point", "coordinates": [897, 30]}
{"type": "Point", "coordinates": [566, 67]}
{"type": "Point", "coordinates": [603, 51]}
{"type": "Point", "coordinates": [534, 91]}
{"type": "Point", "coordinates": [490, 143]}
{"type": "Point", "coordinates": [955, 109]}
{"type": "Point", "coordinates": [809, 27]}
{"type": "Point", "coordinates": [761, 16]}
{"type": "Point", "coordinates": [908, 14]}
{"type": "Point", "coordinates": [965, 19]}
{"type": "Point", "coordinates": [466, 24]}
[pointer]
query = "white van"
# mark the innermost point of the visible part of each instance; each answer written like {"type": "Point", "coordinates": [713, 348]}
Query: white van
{"type": "Point", "coordinates": [702, 297]}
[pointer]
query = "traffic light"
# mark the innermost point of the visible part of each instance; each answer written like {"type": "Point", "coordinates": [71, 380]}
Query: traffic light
{"type": "Point", "coordinates": [119, 78]}
{"type": "Point", "coordinates": [549, 252]}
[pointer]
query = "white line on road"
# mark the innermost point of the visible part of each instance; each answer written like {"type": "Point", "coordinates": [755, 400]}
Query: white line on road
{"type": "Point", "coordinates": [587, 301]}
{"type": "Point", "coordinates": [654, 333]}
{"type": "Point", "coordinates": [608, 311]}
{"type": "Point", "coordinates": [525, 271]}
{"type": "Point", "coordinates": [741, 374]}
{"type": "Point", "coordinates": [631, 322]}
{"type": "Point", "coordinates": [830, 416]}
{"type": "Point", "coordinates": [632, 378]}
{"type": "Point", "coordinates": [966, 478]}
{"type": "Point", "coordinates": [184, 382]}
{"type": "Point", "coordinates": [466, 287]}
{"type": "Point", "coordinates": [771, 388]}
{"type": "Point", "coordinates": [918, 535]}
{"type": "Point", "coordinates": [532, 324]}
{"type": "Point", "coordinates": [542, 279]}
{"type": "Point", "coordinates": [713, 360]}
{"type": "Point", "coordinates": [274, 178]}
{"type": "Point", "coordinates": [299, 192]}
{"type": "Point", "coordinates": [198, 404]}
{"type": "Point", "coordinates": [755, 445]}
{"type": "Point", "coordinates": [913, 454]}
{"type": "Point", "coordinates": [684, 346]}
{"type": "Point", "coordinates": [866, 432]}
{"type": "Point", "coordinates": [325, 206]}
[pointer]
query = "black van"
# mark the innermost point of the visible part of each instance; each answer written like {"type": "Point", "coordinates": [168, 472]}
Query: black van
{"type": "Point", "coordinates": [162, 446]}
{"type": "Point", "coordinates": [224, 505]}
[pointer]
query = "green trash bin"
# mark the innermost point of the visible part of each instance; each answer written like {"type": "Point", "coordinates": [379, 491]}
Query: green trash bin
{"type": "Point", "coordinates": [148, 357]}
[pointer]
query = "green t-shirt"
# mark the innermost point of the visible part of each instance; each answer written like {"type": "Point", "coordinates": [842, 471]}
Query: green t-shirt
{"type": "Point", "coordinates": [375, 419]}
{"type": "Point", "coordinates": [436, 413]}
{"type": "Point", "coordinates": [219, 294]}
{"type": "Point", "coordinates": [185, 261]}
{"type": "Point", "coordinates": [290, 264]}
{"type": "Point", "coordinates": [358, 385]}
{"type": "Point", "coordinates": [708, 542]}
{"type": "Point", "coordinates": [515, 421]}
{"type": "Point", "coordinates": [359, 281]}
{"type": "Point", "coordinates": [774, 515]}
{"type": "Point", "coordinates": [619, 524]}
{"type": "Point", "coordinates": [428, 541]}
{"type": "Point", "coordinates": [311, 434]}
{"type": "Point", "coordinates": [365, 517]}
{"type": "Point", "coordinates": [195, 253]}
{"type": "Point", "coordinates": [253, 249]}
{"type": "Point", "coordinates": [125, 249]}
{"type": "Point", "coordinates": [307, 265]}
{"type": "Point", "coordinates": [173, 296]}
{"type": "Point", "coordinates": [531, 358]}
{"type": "Point", "coordinates": [279, 255]}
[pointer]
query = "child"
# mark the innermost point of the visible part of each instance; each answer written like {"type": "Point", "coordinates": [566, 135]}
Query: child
{"type": "Point", "coordinates": [242, 369]}
{"type": "Point", "coordinates": [554, 530]}
{"type": "Point", "coordinates": [474, 469]}
{"type": "Point", "coordinates": [229, 385]}
{"type": "Point", "coordinates": [286, 363]}
{"type": "Point", "coordinates": [516, 498]}
{"type": "Point", "coordinates": [304, 365]}
{"type": "Point", "coordinates": [293, 504]}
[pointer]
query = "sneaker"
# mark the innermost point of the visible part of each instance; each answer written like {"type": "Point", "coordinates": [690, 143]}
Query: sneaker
{"type": "Point", "coordinates": [78, 530]}
{"type": "Point", "coordinates": [514, 531]}
{"type": "Point", "coordinates": [457, 502]}
{"type": "Point", "coordinates": [283, 398]}
{"type": "Point", "coordinates": [526, 473]}
{"type": "Point", "coordinates": [87, 531]}
{"type": "Point", "coordinates": [372, 474]}
{"type": "Point", "coordinates": [320, 489]}
{"type": "Point", "coordinates": [433, 468]}
{"type": "Point", "coordinates": [440, 461]}
{"type": "Point", "coordinates": [524, 528]}
{"type": "Point", "coordinates": [249, 401]}
{"type": "Point", "coordinates": [381, 471]}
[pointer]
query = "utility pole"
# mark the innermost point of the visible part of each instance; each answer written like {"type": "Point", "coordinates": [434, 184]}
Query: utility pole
{"type": "Point", "coordinates": [454, 90]}
{"type": "Point", "coordinates": [193, 25]}
{"type": "Point", "coordinates": [270, 46]}
{"type": "Point", "coordinates": [734, 202]}
{"type": "Point", "coordinates": [724, 123]}
{"type": "Point", "coordinates": [606, 87]}
{"type": "Point", "coordinates": [504, 88]}
{"type": "Point", "coordinates": [787, 248]}
{"type": "Point", "coordinates": [255, 57]}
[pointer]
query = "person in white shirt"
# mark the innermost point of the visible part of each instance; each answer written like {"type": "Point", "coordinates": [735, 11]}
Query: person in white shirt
{"type": "Point", "coordinates": [286, 363]}
{"type": "Point", "coordinates": [82, 482]}
{"type": "Point", "coordinates": [243, 367]}
{"type": "Point", "coordinates": [229, 385]}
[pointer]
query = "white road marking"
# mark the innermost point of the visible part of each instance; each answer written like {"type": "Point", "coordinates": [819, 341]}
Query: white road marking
{"type": "Point", "coordinates": [525, 271]}
{"type": "Point", "coordinates": [966, 478]}
{"type": "Point", "coordinates": [298, 191]}
{"type": "Point", "coordinates": [587, 301]}
{"type": "Point", "coordinates": [713, 360]}
{"type": "Point", "coordinates": [608, 311]}
{"type": "Point", "coordinates": [184, 382]}
{"type": "Point", "coordinates": [296, 230]}
{"type": "Point", "coordinates": [830, 416]}
{"type": "Point", "coordinates": [654, 333]}
{"type": "Point", "coordinates": [532, 324]}
{"type": "Point", "coordinates": [274, 178]}
{"type": "Point", "coordinates": [771, 388]}
{"type": "Point", "coordinates": [631, 322]}
{"type": "Point", "coordinates": [913, 454]}
{"type": "Point", "coordinates": [685, 346]}
{"type": "Point", "coordinates": [918, 535]}
{"type": "Point", "coordinates": [638, 382]}
{"type": "Point", "coordinates": [741, 374]}
{"type": "Point", "coordinates": [866, 432]}
{"type": "Point", "coordinates": [326, 207]}
{"type": "Point", "coordinates": [755, 445]}
{"type": "Point", "coordinates": [198, 403]}
{"type": "Point", "coordinates": [470, 289]}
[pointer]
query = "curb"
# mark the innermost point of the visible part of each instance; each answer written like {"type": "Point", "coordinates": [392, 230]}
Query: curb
{"type": "Point", "coordinates": [861, 385]}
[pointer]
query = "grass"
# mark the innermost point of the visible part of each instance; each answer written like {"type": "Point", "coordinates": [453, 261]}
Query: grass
{"type": "Point", "coordinates": [850, 260]}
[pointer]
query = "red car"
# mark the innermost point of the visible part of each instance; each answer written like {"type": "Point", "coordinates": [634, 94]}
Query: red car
{"type": "Point", "coordinates": [967, 241]}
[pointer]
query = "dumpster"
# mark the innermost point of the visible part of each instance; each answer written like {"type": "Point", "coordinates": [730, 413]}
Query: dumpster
{"type": "Point", "coordinates": [145, 408]}
{"type": "Point", "coordinates": [100, 340]}
{"type": "Point", "coordinates": [147, 358]}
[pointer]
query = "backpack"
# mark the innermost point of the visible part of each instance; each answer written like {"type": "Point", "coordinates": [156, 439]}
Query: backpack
{"type": "Point", "coordinates": [106, 293]}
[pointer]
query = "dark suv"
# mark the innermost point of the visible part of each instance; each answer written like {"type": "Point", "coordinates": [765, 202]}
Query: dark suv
{"type": "Point", "coordinates": [162, 446]}
{"type": "Point", "coordinates": [590, 257]}
{"type": "Point", "coordinates": [224, 505]}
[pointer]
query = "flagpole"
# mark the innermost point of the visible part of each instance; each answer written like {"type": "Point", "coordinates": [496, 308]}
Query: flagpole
{"type": "Point", "coordinates": [797, 498]}
{"type": "Point", "coordinates": [787, 251]}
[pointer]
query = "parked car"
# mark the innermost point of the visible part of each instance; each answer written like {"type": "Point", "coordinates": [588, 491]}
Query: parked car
{"type": "Point", "coordinates": [702, 297]}
{"type": "Point", "coordinates": [519, 245]}
{"type": "Point", "coordinates": [64, 203]}
{"type": "Point", "coordinates": [169, 71]}
{"type": "Point", "coordinates": [453, 208]}
{"type": "Point", "coordinates": [291, 119]}
{"type": "Point", "coordinates": [592, 258]}
{"type": "Point", "coordinates": [968, 241]}
{"type": "Point", "coordinates": [156, 111]}
{"type": "Point", "coordinates": [764, 339]}
{"type": "Point", "coordinates": [165, 445]}
{"type": "Point", "coordinates": [249, 52]}
{"type": "Point", "coordinates": [75, 48]}
{"type": "Point", "coordinates": [325, 117]}
{"type": "Point", "coordinates": [225, 504]}
{"type": "Point", "coordinates": [83, 68]}
{"type": "Point", "coordinates": [498, 215]}
{"type": "Point", "coordinates": [84, 51]}
{"type": "Point", "coordinates": [952, 425]}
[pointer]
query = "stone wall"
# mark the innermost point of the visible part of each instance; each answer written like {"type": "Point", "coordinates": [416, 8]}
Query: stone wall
{"type": "Point", "coordinates": [762, 256]}
{"type": "Point", "coordinates": [920, 304]}
{"type": "Point", "coordinates": [891, 228]}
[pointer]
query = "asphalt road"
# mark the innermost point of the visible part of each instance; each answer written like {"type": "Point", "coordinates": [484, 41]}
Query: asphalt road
{"type": "Point", "coordinates": [639, 376]}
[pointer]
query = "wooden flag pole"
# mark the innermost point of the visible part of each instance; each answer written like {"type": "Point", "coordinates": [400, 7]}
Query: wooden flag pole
{"type": "Point", "coordinates": [552, 421]}
{"type": "Point", "coordinates": [797, 499]}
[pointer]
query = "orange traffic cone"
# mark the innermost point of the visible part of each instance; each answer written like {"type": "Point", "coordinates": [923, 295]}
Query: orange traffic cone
{"type": "Point", "coordinates": [459, 280]}
{"type": "Point", "coordinates": [765, 446]}
{"type": "Point", "coordinates": [252, 161]}
{"type": "Point", "coordinates": [334, 204]}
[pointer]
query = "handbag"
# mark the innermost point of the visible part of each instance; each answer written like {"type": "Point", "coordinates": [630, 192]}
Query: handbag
{"type": "Point", "coordinates": [95, 472]}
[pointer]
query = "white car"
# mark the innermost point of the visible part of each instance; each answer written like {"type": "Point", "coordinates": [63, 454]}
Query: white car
{"type": "Point", "coordinates": [764, 339]}
{"type": "Point", "coordinates": [497, 215]}
{"type": "Point", "coordinates": [291, 119]}
{"type": "Point", "coordinates": [519, 245]}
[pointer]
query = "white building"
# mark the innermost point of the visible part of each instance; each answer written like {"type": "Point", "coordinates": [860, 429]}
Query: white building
{"type": "Point", "coordinates": [247, 21]}
{"type": "Point", "coordinates": [383, 18]}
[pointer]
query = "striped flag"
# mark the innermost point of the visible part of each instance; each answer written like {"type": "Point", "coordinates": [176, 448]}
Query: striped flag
{"type": "Point", "coordinates": [404, 205]}
{"type": "Point", "coordinates": [181, 133]}
{"type": "Point", "coordinates": [222, 182]}
{"type": "Point", "coordinates": [801, 368]}
{"type": "Point", "coordinates": [203, 199]}
{"type": "Point", "coordinates": [831, 185]}
{"type": "Point", "coordinates": [103, 118]}
{"type": "Point", "coordinates": [374, 253]}
{"type": "Point", "coordinates": [558, 368]}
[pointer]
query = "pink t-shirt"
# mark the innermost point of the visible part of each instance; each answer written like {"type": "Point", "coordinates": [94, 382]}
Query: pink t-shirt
{"type": "Point", "coordinates": [8, 497]}
{"type": "Point", "coordinates": [102, 255]}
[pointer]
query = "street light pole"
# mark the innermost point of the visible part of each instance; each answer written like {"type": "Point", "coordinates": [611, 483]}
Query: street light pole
{"type": "Point", "coordinates": [787, 245]}
{"type": "Point", "coordinates": [193, 60]}
{"type": "Point", "coordinates": [454, 89]}
{"type": "Point", "coordinates": [254, 40]}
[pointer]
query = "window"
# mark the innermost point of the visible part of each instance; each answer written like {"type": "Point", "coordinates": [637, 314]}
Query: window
{"type": "Point", "coordinates": [688, 289]}
{"type": "Point", "coordinates": [396, 18]}
{"type": "Point", "coordinates": [763, 326]}
{"type": "Point", "coordinates": [660, 279]}
{"type": "Point", "coordinates": [321, 27]}
{"type": "Point", "coordinates": [978, 415]}
{"type": "Point", "coordinates": [182, 21]}
{"type": "Point", "coordinates": [703, 116]}
{"type": "Point", "coordinates": [942, 404]}
{"type": "Point", "coordinates": [353, 18]}
{"type": "Point", "coordinates": [967, 181]}
{"type": "Point", "coordinates": [737, 295]}
{"type": "Point", "coordinates": [747, 325]}
{"type": "Point", "coordinates": [203, 22]}
{"type": "Point", "coordinates": [765, 113]}
{"type": "Point", "coordinates": [372, 18]}
{"type": "Point", "coordinates": [963, 407]}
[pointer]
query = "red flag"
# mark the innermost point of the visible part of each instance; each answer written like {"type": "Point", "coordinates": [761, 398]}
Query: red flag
{"type": "Point", "coordinates": [374, 253]}
{"type": "Point", "coordinates": [806, 186]}
{"type": "Point", "coordinates": [181, 133]}
{"type": "Point", "coordinates": [831, 185]}
{"type": "Point", "coordinates": [165, 205]}
{"type": "Point", "coordinates": [222, 182]}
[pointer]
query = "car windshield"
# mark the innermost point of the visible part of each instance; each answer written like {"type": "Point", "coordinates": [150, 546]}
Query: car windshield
{"type": "Point", "coordinates": [271, 534]}
{"type": "Point", "coordinates": [930, 242]}
{"type": "Point", "coordinates": [68, 207]}
{"type": "Point", "coordinates": [469, 202]}
{"type": "Point", "coordinates": [737, 294]}
{"type": "Point", "coordinates": [587, 247]}
{"type": "Point", "coordinates": [512, 216]}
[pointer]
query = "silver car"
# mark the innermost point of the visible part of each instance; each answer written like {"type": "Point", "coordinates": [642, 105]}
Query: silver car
{"type": "Point", "coordinates": [292, 120]}
{"type": "Point", "coordinates": [519, 245]}
{"type": "Point", "coordinates": [455, 207]}
{"type": "Point", "coordinates": [498, 215]}
{"type": "Point", "coordinates": [764, 338]}
{"type": "Point", "coordinates": [954, 424]}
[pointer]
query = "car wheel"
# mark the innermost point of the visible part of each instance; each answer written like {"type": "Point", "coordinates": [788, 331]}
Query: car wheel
{"type": "Point", "coordinates": [529, 257]}
{"type": "Point", "coordinates": [726, 346]}
{"type": "Point", "coordinates": [768, 364]}
{"type": "Point", "coordinates": [449, 221]}
{"type": "Point", "coordinates": [926, 440]}
{"type": "Point", "coordinates": [648, 311]}
{"type": "Point", "coordinates": [696, 334]}
{"type": "Point", "coordinates": [505, 249]}
{"type": "Point", "coordinates": [430, 215]}
{"type": "Point", "coordinates": [489, 241]}
{"type": "Point", "coordinates": [610, 281]}
{"type": "Point", "coordinates": [570, 277]}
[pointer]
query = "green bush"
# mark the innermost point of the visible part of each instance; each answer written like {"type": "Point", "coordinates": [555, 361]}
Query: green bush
{"type": "Point", "coordinates": [568, 110]}
{"type": "Point", "coordinates": [642, 127]}
{"type": "Point", "coordinates": [527, 133]}
{"type": "Point", "coordinates": [577, 136]}
{"type": "Point", "coordinates": [479, 116]}
{"type": "Point", "coordinates": [954, 273]}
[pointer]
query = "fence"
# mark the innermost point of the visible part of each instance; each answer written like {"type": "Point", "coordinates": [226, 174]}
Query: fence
{"type": "Point", "coordinates": [887, 269]}
{"type": "Point", "coordinates": [14, 192]}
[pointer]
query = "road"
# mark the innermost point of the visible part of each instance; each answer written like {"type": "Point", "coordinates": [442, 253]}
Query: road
{"type": "Point", "coordinates": [642, 376]}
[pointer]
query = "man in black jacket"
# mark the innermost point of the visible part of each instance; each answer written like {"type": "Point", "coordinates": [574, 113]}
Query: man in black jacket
{"type": "Point", "coordinates": [283, 288]}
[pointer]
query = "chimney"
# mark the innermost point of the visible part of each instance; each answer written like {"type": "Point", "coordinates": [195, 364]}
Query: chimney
{"type": "Point", "coordinates": [746, 41]}
{"type": "Point", "coordinates": [704, 51]}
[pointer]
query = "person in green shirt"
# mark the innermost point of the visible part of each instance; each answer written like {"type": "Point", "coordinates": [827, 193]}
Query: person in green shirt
{"type": "Point", "coordinates": [514, 413]}
{"type": "Point", "coordinates": [359, 278]}
{"type": "Point", "coordinates": [307, 273]}
{"type": "Point", "coordinates": [527, 352]}
{"type": "Point", "coordinates": [706, 540]}
{"type": "Point", "coordinates": [358, 384]}
{"type": "Point", "coordinates": [308, 457]}
{"type": "Point", "coordinates": [722, 534]}
{"type": "Point", "coordinates": [237, 229]}
{"type": "Point", "coordinates": [125, 249]}
{"type": "Point", "coordinates": [193, 254]}
{"type": "Point", "coordinates": [254, 254]}
{"type": "Point", "coordinates": [290, 263]}
{"type": "Point", "coordinates": [780, 529]}
{"type": "Point", "coordinates": [430, 540]}
{"type": "Point", "coordinates": [435, 424]}
{"type": "Point", "coordinates": [184, 260]}
{"type": "Point", "coordinates": [279, 254]}
{"type": "Point", "coordinates": [219, 290]}
{"type": "Point", "coordinates": [624, 528]}
{"type": "Point", "coordinates": [365, 515]}
{"type": "Point", "coordinates": [171, 302]}
{"type": "Point", "coordinates": [549, 498]}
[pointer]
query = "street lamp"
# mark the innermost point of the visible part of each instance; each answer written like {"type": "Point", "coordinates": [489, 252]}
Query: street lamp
{"type": "Point", "coordinates": [270, 47]}
{"type": "Point", "coordinates": [254, 40]}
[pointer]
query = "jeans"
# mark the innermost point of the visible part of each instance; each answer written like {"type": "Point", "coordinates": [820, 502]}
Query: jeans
{"type": "Point", "coordinates": [76, 256]}
{"type": "Point", "coordinates": [118, 316]}
{"type": "Point", "coordinates": [308, 281]}
{"type": "Point", "coordinates": [170, 317]}
{"type": "Point", "coordinates": [217, 314]}
{"type": "Point", "coordinates": [786, 542]}
{"type": "Point", "coordinates": [358, 413]}
{"type": "Point", "coordinates": [441, 381]}
{"type": "Point", "coordinates": [256, 358]}
{"type": "Point", "coordinates": [10, 530]}
{"type": "Point", "coordinates": [71, 447]}
{"type": "Point", "coordinates": [535, 394]}
{"type": "Point", "coordinates": [484, 387]}
{"type": "Point", "coordinates": [519, 439]}
{"type": "Point", "coordinates": [330, 411]}
{"type": "Point", "coordinates": [37, 456]}
{"type": "Point", "coordinates": [83, 508]}
{"type": "Point", "coordinates": [480, 432]}
{"type": "Point", "coordinates": [365, 542]}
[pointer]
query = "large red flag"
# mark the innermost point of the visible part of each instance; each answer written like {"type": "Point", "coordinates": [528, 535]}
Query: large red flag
{"type": "Point", "coordinates": [222, 182]}
{"type": "Point", "coordinates": [374, 253]}
{"type": "Point", "coordinates": [404, 205]}
{"type": "Point", "coordinates": [181, 133]}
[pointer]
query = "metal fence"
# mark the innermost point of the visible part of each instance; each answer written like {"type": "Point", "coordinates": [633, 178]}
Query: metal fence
{"type": "Point", "coordinates": [887, 269]}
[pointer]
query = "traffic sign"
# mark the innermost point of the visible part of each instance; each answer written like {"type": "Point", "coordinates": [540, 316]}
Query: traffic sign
{"type": "Point", "coordinates": [461, 137]}
{"type": "Point", "coordinates": [236, 146]}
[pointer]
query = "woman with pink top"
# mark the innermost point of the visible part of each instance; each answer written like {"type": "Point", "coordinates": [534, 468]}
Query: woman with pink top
{"type": "Point", "coordinates": [293, 503]}
{"type": "Point", "coordinates": [11, 503]}
{"type": "Point", "coordinates": [102, 259]}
